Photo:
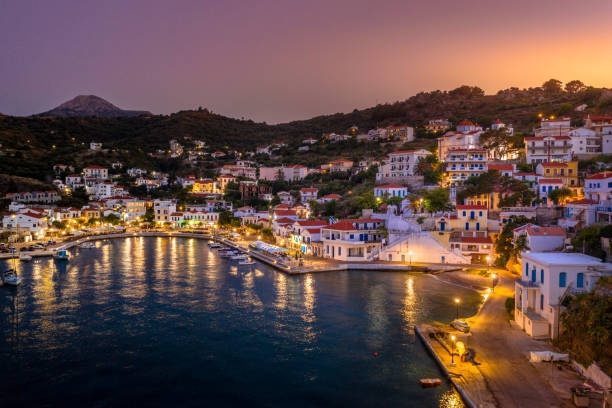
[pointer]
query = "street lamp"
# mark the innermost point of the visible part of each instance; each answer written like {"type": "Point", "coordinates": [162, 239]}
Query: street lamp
{"type": "Point", "coordinates": [410, 257]}
{"type": "Point", "coordinates": [457, 301]}
{"type": "Point", "coordinates": [453, 351]}
{"type": "Point", "coordinates": [494, 277]}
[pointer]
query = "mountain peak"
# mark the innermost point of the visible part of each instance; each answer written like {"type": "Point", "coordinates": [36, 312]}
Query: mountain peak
{"type": "Point", "coordinates": [90, 105]}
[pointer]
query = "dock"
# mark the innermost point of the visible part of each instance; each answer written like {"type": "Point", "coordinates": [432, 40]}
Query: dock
{"type": "Point", "coordinates": [465, 376]}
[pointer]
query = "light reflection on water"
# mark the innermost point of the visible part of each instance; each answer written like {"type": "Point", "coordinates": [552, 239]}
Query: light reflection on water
{"type": "Point", "coordinates": [166, 321]}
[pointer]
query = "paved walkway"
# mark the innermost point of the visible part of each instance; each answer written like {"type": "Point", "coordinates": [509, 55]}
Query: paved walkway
{"type": "Point", "coordinates": [501, 350]}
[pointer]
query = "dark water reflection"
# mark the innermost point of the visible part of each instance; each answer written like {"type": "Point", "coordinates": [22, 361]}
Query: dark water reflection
{"type": "Point", "coordinates": [166, 322]}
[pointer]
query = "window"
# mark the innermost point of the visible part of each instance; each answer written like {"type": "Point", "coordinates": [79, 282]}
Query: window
{"type": "Point", "coordinates": [533, 275]}
{"type": "Point", "coordinates": [580, 280]}
{"type": "Point", "coordinates": [339, 251]}
{"type": "Point", "coordinates": [464, 213]}
{"type": "Point", "coordinates": [542, 276]}
{"type": "Point", "coordinates": [541, 302]}
{"type": "Point", "coordinates": [526, 268]}
{"type": "Point", "coordinates": [562, 279]}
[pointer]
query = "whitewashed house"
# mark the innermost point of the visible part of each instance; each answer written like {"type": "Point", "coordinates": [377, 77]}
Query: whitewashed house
{"type": "Point", "coordinates": [547, 277]}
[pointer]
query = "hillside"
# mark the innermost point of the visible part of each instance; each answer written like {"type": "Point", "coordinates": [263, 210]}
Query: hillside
{"type": "Point", "coordinates": [90, 105]}
{"type": "Point", "coordinates": [30, 145]}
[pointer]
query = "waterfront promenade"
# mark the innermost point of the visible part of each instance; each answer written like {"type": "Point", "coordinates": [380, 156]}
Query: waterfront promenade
{"type": "Point", "coordinates": [501, 375]}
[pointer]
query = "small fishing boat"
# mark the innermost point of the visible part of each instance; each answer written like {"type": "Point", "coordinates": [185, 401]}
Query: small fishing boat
{"type": "Point", "coordinates": [247, 261]}
{"type": "Point", "coordinates": [62, 255]}
{"type": "Point", "coordinates": [214, 245]}
{"type": "Point", "coordinates": [430, 382]}
{"type": "Point", "coordinates": [87, 245]}
{"type": "Point", "coordinates": [25, 257]}
{"type": "Point", "coordinates": [10, 278]}
{"type": "Point", "coordinates": [227, 254]}
{"type": "Point", "coordinates": [240, 257]}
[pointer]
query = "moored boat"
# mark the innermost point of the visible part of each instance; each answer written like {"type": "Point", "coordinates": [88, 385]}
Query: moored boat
{"type": "Point", "coordinates": [247, 261]}
{"type": "Point", "coordinates": [430, 382]}
{"type": "Point", "coordinates": [25, 257]}
{"type": "Point", "coordinates": [10, 278]}
{"type": "Point", "coordinates": [62, 255]}
{"type": "Point", "coordinates": [87, 245]}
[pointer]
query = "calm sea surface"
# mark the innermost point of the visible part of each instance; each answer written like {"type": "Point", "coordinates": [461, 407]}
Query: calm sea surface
{"type": "Point", "coordinates": [167, 322]}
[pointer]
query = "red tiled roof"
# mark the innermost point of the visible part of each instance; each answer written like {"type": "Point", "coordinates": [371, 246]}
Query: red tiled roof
{"type": "Point", "coordinates": [465, 123]}
{"type": "Point", "coordinates": [525, 174]}
{"type": "Point", "coordinates": [343, 226]}
{"type": "Point", "coordinates": [388, 186]}
{"type": "Point", "coordinates": [95, 167]}
{"type": "Point", "coordinates": [582, 201]}
{"type": "Point", "coordinates": [311, 223]}
{"type": "Point", "coordinates": [33, 215]}
{"type": "Point", "coordinates": [284, 213]}
{"type": "Point", "coordinates": [599, 117]}
{"type": "Point", "coordinates": [333, 196]}
{"type": "Point", "coordinates": [284, 220]}
{"type": "Point", "coordinates": [553, 164]}
{"type": "Point", "coordinates": [476, 240]}
{"type": "Point", "coordinates": [535, 138]}
{"type": "Point", "coordinates": [600, 176]}
{"type": "Point", "coordinates": [550, 181]}
{"type": "Point", "coordinates": [501, 167]}
{"type": "Point", "coordinates": [309, 190]}
{"type": "Point", "coordinates": [471, 207]}
{"type": "Point", "coordinates": [545, 231]}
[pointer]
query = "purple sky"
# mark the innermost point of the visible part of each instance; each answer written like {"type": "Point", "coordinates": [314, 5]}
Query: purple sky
{"type": "Point", "coordinates": [283, 60]}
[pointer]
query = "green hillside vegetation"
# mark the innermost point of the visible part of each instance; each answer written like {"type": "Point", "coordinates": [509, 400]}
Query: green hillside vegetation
{"type": "Point", "coordinates": [31, 145]}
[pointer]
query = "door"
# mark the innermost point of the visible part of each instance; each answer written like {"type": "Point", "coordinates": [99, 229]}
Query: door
{"type": "Point", "coordinates": [477, 226]}
{"type": "Point", "coordinates": [442, 226]}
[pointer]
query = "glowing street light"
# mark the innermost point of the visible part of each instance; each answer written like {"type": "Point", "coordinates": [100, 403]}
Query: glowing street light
{"type": "Point", "coordinates": [453, 351]}
{"type": "Point", "coordinates": [457, 301]}
{"type": "Point", "coordinates": [410, 255]}
{"type": "Point", "coordinates": [494, 279]}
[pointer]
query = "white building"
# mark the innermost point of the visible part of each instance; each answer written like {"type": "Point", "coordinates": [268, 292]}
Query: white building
{"type": "Point", "coordinates": [585, 142]}
{"type": "Point", "coordinates": [400, 164]}
{"type": "Point", "coordinates": [390, 190]}
{"type": "Point", "coordinates": [553, 127]}
{"type": "Point", "coordinates": [35, 223]}
{"type": "Point", "coordinates": [162, 210]}
{"type": "Point", "coordinates": [598, 187]}
{"type": "Point", "coordinates": [96, 172]}
{"type": "Point", "coordinates": [541, 239]}
{"type": "Point", "coordinates": [95, 146]}
{"type": "Point", "coordinates": [351, 240]}
{"type": "Point", "coordinates": [307, 194]}
{"type": "Point", "coordinates": [547, 277]}
{"type": "Point", "coordinates": [539, 149]}
{"type": "Point", "coordinates": [286, 197]}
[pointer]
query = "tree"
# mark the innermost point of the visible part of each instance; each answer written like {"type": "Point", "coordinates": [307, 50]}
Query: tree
{"type": "Point", "coordinates": [553, 87]}
{"type": "Point", "coordinates": [498, 141]}
{"type": "Point", "coordinates": [560, 195]}
{"type": "Point", "coordinates": [232, 192]}
{"type": "Point", "coordinates": [504, 246]}
{"type": "Point", "coordinates": [588, 241]}
{"type": "Point", "coordinates": [111, 219]}
{"type": "Point", "coordinates": [575, 86]}
{"type": "Point", "coordinates": [436, 200]}
{"type": "Point", "coordinates": [315, 208]}
{"type": "Point", "coordinates": [149, 215]}
{"type": "Point", "coordinates": [331, 208]}
{"type": "Point", "coordinates": [430, 168]}
{"type": "Point", "coordinates": [60, 225]}
{"type": "Point", "coordinates": [225, 218]}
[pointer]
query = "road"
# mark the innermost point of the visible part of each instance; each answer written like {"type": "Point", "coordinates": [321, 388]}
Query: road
{"type": "Point", "coordinates": [501, 348]}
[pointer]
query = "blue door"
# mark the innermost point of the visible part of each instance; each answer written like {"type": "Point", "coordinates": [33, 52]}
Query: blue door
{"type": "Point", "coordinates": [442, 226]}
{"type": "Point", "coordinates": [580, 280]}
{"type": "Point", "coordinates": [477, 226]}
{"type": "Point", "coordinates": [533, 275]}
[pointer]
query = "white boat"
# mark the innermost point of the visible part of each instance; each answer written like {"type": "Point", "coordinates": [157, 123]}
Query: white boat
{"type": "Point", "coordinates": [214, 245]}
{"type": "Point", "coordinates": [25, 257]}
{"type": "Point", "coordinates": [10, 277]}
{"type": "Point", "coordinates": [240, 257]}
{"type": "Point", "coordinates": [247, 261]}
{"type": "Point", "coordinates": [87, 245]}
{"type": "Point", "coordinates": [62, 255]}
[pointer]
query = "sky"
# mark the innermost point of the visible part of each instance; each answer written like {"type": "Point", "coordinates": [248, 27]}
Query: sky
{"type": "Point", "coordinates": [284, 60]}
